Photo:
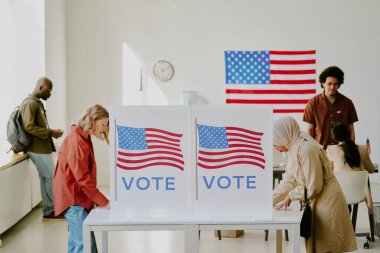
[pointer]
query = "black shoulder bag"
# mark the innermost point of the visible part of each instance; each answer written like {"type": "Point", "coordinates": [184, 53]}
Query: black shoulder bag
{"type": "Point", "coordinates": [306, 218]}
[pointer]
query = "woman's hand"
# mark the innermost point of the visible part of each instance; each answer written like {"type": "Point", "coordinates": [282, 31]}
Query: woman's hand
{"type": "Point", "coordinates": [108, 206]}
{"type": "Point", "coordinates": [284, 203]}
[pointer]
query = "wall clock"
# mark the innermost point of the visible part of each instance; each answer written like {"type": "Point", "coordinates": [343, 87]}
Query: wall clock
{"type": "Point", "coordinates": [163, 70]}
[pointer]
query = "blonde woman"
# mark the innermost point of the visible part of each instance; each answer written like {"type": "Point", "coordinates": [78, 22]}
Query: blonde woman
{"type": "Point", "coordinates": [308, 166]}
{"type": "Point", "coordinates": [74, 186]}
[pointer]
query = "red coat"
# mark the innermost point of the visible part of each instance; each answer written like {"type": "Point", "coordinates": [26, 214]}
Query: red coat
{"type": "Point", "coordinates": [75, 174]}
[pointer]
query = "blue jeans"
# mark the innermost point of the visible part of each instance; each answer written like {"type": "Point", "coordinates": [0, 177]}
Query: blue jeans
{"type": "Point", "coordinates": [75, 215]}
{"type": "Point", "coordinates": [45, 167]}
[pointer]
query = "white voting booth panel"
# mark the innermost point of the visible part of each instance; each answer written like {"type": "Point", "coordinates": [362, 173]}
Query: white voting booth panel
{"type": "Point", "coordinates": [233, 162]}
{"type": "Point", "coordinates": [150, 161]}
{"type": "Point", "coordinates": [195, 162]}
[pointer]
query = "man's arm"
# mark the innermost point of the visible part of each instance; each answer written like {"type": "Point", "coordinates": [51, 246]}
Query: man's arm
{"type": "Point", "coordinates": [309, 117]}
{"type": "Point", "coordinates": [28, 116]}
{"type": "Point", "coordinates": [310, 128]}
{"type": "Point", "coordinates": [352, 131]}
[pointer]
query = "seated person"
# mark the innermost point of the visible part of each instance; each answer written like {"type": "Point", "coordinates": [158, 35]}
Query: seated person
{"type": "Point", "coordinates": [347, 156]}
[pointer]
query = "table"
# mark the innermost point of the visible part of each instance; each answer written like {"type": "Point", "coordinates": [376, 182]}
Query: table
{"type": "Point", "coordinates": [278, 170]}
{"type": "Point", "coordinates": [105, 220]}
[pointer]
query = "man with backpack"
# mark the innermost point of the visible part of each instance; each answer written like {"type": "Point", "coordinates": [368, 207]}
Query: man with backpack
{"type": "Point", "coordinates": [40, 149]}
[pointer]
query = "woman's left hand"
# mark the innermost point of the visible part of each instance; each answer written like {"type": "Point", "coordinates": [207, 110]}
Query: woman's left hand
{"type": "Point", "coordinates": [284, 203]}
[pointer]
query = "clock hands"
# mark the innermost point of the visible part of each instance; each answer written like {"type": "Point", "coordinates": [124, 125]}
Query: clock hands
{"type": "Point", "coordinates": [163, 69]}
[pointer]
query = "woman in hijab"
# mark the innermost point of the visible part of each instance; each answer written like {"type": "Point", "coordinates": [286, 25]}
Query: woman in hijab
{"type": "Point", "coordinates": [309, 167]}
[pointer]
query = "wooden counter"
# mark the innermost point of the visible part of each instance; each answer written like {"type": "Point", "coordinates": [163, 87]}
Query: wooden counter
{"type": "Point", "coordinates": [9, 159]}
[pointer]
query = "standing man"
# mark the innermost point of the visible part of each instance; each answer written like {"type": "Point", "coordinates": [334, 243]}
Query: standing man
{"type": "Point", "coordinates": [40, 150]}
{"type": "Point", "coordinates": [328, 107]}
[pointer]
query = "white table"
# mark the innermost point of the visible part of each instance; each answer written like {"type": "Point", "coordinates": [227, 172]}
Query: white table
{"type": "Point", "coordinates": [104, 220]}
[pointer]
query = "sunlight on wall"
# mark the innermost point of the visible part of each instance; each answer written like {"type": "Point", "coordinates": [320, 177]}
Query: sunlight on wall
{"type": "Point", "coordinates": [134, 91]}
{"type": "Point", "coordinates": [6, 95]}
{"type": "Point", "coordinates": [132, 78]}
{"type": "Point", "coordinates": [154, 95]}
{"type": "Point", "coordinates": [22, 51]}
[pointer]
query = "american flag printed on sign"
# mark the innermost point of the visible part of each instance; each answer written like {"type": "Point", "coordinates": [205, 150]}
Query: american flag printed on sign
{"type": "Point", "coordinates": [140, 148]}
{"type": "Point", "coordinates": [221, 147]}
{"type": "Point", "coordinates": [284, 79]}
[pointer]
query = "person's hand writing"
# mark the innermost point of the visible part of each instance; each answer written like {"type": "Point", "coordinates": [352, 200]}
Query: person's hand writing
{"type": "Point", "coordinates": [285, 203]}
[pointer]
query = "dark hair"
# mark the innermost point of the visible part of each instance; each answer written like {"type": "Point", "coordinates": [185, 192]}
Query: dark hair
{"type": "Point", "coordinates": [44, 80]}
{"type": "Point", "coordinates": [340, 133]}
{"type": "Point", "coordinates": [332, 71]}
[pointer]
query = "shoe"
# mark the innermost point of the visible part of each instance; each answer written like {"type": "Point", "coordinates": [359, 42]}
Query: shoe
{"type": "Point", "coordinates": [52, 217]}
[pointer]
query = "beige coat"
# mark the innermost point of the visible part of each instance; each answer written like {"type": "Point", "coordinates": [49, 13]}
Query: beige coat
{"type": "Point", "coordinates": [331, 224]}
{"type": "Point", "coordinates": [336, 154]}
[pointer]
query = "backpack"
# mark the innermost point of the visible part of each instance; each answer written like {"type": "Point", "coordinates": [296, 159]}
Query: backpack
{"type": "Point", "coordinates": [16, 134]}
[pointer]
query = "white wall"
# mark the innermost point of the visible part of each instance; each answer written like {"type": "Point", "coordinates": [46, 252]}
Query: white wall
{"type": "Point", "coordinates": [6, 94]}
{"type": "Point", "coordinates": [32, 44]}
{"type": "Point", "coordinates": [193, 36]}
{"type": "Point", "coordinates": [28, 33]}
{"type": "Point", "coordinates": [55, 58]}
{"type": "Point", "coordinates": [22, 52]}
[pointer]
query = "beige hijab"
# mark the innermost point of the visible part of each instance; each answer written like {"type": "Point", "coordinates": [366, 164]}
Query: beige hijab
{"type": "Point", "coordinates": [286, 132]}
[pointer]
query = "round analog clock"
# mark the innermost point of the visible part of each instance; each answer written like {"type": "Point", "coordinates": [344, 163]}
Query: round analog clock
{"type": "Point", "coordinates": [163, 70]}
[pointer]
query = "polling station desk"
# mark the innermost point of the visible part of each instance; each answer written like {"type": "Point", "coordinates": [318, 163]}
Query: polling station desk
{"type": "Point", "coordinates": [278, 171]}
{"type": "Point", "coordinates": [103, 220]}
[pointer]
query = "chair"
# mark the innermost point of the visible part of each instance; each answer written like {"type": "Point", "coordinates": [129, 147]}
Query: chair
{"type": "Point", "coordinates": [354, 185]}
{"type": "Point", "coordinates": [279, 164]}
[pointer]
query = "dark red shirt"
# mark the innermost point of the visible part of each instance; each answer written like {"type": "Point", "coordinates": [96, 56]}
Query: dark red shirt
{"type": "Point", "coordinates": [320, 113]}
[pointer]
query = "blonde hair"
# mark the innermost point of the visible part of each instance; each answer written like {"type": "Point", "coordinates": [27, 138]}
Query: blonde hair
{"type": "Point", "coordinates": [91, 114]}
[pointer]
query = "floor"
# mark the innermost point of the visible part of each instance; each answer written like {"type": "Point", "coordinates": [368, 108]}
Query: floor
{"type": "Point", "coordinates": [32, 234]}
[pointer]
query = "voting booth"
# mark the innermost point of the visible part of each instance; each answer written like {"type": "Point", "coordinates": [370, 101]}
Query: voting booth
{"type": "Point", "coordinates": [233, 162]}
{"type": "Point", "coordinates": [195, 162]}
{"type": "Point", "coordinates": [150, 161]}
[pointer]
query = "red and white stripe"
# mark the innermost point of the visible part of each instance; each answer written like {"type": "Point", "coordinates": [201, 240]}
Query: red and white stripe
{"type": "Point", "coordinates": [244, 148]}
{"type": "Point", "coordinates": [292, 84]}
{"type": "Point", "coordinates": [163, 150]}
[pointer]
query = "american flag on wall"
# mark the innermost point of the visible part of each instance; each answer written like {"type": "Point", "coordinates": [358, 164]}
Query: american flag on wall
{"type": "Point", "coordinates": [221, 147]}
{"type": "Point", "coordinates": [140, 148]}
{"type": "Point", "coordinates": [284, 79]}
